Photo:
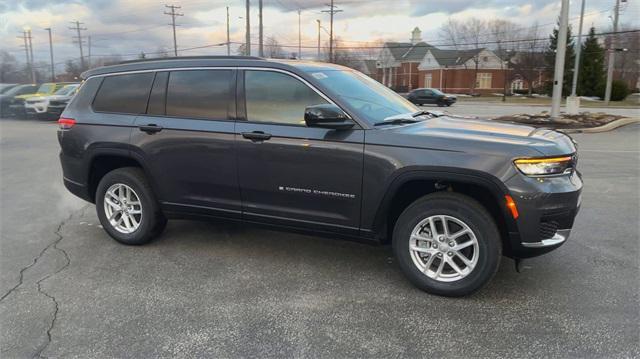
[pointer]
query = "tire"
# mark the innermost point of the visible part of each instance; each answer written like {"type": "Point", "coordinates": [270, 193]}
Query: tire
{"type": "Point", "coordinates": [150, 220]}
{"type": "Point", "coordinates": [486, 251]}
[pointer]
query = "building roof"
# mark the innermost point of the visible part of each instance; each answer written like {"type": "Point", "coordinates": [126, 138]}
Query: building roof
{"type": "Point", "coordinates": [406, 51]}
{"type": "Point", "coordinates": [453, 57]}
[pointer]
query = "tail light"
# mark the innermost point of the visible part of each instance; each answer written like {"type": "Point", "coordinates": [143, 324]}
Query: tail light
{"type": "Point", "coordinates": [66, 123]}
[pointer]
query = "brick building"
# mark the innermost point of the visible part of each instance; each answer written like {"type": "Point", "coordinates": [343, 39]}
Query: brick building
{"type": "Point", "coordinates": [404, 66]}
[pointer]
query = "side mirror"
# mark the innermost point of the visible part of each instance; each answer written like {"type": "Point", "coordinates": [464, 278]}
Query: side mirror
{"type": "Point", "coordinates": [327, 116]}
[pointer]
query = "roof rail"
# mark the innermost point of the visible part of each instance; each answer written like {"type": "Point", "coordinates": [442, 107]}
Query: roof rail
{"type": "Point", "coordinates": [192, 58]}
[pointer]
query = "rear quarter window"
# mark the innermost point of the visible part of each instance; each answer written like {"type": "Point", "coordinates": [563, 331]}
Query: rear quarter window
{"type": "Point", "coordinates": [124, 93]}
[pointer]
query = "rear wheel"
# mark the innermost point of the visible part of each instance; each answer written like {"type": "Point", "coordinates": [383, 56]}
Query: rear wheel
{"type": "Point", "coordinates": [127, 208]}
{"type": "Point", "coordinates": [447, 244]}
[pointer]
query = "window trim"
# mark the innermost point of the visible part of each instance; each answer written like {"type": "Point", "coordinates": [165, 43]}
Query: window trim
{"type": "Point", "coordinates": [237, 69]}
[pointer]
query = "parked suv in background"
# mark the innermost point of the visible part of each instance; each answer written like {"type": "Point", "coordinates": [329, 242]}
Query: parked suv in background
{"type": "Point", "coordinates": [50, 106]}
{"type": "Point", "coordinates": [321, 148]}
{"type": "Point", "coordinates": [16, 107]}
{"type": "Point", "coordinates": [7, 97]}
{"type": "Point", "coordinates": [424, 96]}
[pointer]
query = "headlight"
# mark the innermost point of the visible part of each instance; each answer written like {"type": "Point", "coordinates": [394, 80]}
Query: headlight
{"type": "Point", "coordinates": [545, 166]}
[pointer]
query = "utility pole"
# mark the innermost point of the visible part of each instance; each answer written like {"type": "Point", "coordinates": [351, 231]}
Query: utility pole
{"type": "Point", "coordinates": [612, 57]}
{"type": "Point", "coordinates": [260, 40]}
{"type": "Point", "coordinates": [53, 75]}
{"type": "Point", "coordinates": [247, 49]}
{"type": "Point", "coordinates": [561, 48]}
{"type": "Point", "coordinates": [33, 68]}
{"type": "Point", "coordinates": [573, 101]}
{"type": "Point", "coordinates": [299, 37]}
{"type": "Point", "coordinates": [26, 48]}
{"type": "Point", "coordinates": [332, 10]}
{"type": "Point", "coordinates": [89, 51]}
{"type": "Point", "coordinates": [79, 39]}
{"type": "Point", "coordinates": [228, 41]}
{"type": "Point", "coordinates": [173, 15]}
{"type": "Point", "coordinates": [319, 26]}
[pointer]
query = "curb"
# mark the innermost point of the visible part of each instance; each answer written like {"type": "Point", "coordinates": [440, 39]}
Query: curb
{"type": "Point", "coordinates": [604, 128]}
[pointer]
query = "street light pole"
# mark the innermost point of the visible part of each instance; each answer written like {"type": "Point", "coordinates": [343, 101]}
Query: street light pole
{"type": "Point", "coordinates": [228, 41]}
{"type": "Point", "coordinates": [558, 73]}
{"type": "Point", "coordinates": [612, 57]}
{"type": "Point", "coordinates": [318, 38]}
{"type": "Point", "coordinates": [53, 75]}
{"type": "Point", "coordinates": [573, 101]}
{"type": "Point", "coordinates": [247, 50]}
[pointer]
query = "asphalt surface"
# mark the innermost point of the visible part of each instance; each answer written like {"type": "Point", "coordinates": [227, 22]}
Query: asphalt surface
{"type": "Point", "coordinates": [224, 290]}
{"type": "Point", "coordinates": [494, 109]}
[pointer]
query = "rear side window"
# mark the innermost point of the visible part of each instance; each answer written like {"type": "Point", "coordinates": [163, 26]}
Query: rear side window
{"type": "Point", "coordinates": [204, 94]}
{"type": "Point", "coordinates": [124, 93]}
{"type": "Point", "coordinates": [277, 97]}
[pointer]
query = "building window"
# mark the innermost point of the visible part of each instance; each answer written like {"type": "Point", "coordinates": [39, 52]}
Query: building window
{"type": "Point", "coordinates": [483, 80]}
{"type": "Point", "coordinates": [427, 80]}
{"type": "Point", "coordinates": [517, 84]}
{"type": "Point", "coordinates": [485, 59]}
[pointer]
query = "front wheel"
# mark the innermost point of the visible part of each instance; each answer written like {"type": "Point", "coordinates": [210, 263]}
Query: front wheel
{"type": "Point", "coordinates": [127, 208]}
{"type": "Point", "coordinates": [447, 244]}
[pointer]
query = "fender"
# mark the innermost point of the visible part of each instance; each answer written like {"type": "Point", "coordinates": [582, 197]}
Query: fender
{"type": "Point", "coordinates": [494, 185]}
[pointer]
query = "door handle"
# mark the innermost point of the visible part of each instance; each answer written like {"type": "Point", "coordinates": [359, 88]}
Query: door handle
{"type": "Point", "coordinates": [256, 136]}
{"type": "Point", "coordinates": [150, 128]}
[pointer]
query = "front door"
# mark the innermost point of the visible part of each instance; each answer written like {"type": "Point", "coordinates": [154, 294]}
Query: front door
{"type": "Point", "coordinates": [290, 174]}
{"type": "Point", "coordinates": [187, 140]}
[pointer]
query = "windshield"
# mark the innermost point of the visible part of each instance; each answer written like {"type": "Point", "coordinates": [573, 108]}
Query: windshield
{"type": "Point", "coordinates": [437, 92]}
{"type": "Point", "coordinates": [19, 90]}
{"type": "Point", "coordinates": [371, 99]}
{"type": "Point", "coordinates": [46, 88]}
{"type": "Point", "coordinates": [66, 90]}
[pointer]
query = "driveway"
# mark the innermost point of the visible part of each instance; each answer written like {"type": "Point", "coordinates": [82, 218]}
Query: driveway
{"type": "Point", "coordinates": [226, 290]}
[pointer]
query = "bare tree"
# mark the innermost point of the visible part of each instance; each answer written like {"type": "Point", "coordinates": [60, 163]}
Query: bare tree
{"type": "Point", "coordinates": [528, 62]}
{"type": "Point", "coordinates": [627, 64]}
{"type": "Point", "coordinates": [466, 35]}
{"type": "Point", "coordinates": [273, 49]}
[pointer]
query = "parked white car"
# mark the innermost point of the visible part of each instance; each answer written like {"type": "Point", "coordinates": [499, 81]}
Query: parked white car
{"type": "Point", "coordinates": [51, 106]}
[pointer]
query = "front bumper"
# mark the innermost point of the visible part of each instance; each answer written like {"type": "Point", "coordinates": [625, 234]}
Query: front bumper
{"type": "Point", "coordinates": [547, 209]}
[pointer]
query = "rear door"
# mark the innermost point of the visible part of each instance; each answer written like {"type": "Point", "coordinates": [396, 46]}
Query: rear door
{"type": "Point", "coordinates": [186, 140]}
{"type": "Point", "coordinates": [289, 173]}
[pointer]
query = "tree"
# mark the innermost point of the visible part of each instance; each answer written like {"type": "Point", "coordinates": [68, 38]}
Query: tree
{"type": "Point", "coordinates": [528, 61]}
{"type": "Point", "coordinates": [273, 49]}
{"type": "Point", "coordinates": [9, 69]}
{"type": "Point", "coordinates": [142, 55]}
{"type": "Point", "coordinates": [592, 74]}
{"type": "Point", "coordinates": [241, 50]}
{"type": "Point", "coordinates": [550, 60]}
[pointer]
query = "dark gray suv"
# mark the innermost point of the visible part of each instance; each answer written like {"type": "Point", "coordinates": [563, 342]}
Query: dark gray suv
{"type": "Point", "coordinates": [319, 148]}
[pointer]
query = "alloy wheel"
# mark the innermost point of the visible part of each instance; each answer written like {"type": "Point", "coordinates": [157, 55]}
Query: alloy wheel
{"type": "Point", "coordinates": [123, 208]}
{"type": "Point", "coordinates": [444, 248]}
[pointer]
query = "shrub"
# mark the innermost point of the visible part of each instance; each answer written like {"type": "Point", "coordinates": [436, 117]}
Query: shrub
{"type": "Point", "coordinates": [619, 90]}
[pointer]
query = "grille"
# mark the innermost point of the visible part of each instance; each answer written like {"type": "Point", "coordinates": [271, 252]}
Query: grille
{"type": "Point", "coordinates": [548, 229]}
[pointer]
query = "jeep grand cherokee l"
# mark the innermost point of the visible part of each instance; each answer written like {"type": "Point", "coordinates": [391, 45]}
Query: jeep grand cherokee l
{"type": "Point", "coordinates": [320, 148]}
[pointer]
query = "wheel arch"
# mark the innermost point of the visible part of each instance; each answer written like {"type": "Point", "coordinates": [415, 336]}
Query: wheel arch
{"type": "Point", "coordinates": [411, 185]}
{"type": "Point", "coordinates": [105, 160]}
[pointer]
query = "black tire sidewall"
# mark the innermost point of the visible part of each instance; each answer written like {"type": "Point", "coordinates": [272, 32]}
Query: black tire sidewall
{"type": "Point", "coordinates": [133, 178]}
{"type": "Point", "coordinates": [467, 211]}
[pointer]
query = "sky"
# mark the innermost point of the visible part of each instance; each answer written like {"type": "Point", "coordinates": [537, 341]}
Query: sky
{"type": "Point", "coordinates": [128, 27]}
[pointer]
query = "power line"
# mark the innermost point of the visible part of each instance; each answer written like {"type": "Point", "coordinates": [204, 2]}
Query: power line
{"type": "Point", "coordinates": [173, 15]}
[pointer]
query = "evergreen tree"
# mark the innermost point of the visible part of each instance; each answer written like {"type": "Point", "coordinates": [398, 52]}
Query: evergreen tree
{"type": "Point", "coordinates": [569, 59]}
{"type": "Point", "coordinates": [591, 77]}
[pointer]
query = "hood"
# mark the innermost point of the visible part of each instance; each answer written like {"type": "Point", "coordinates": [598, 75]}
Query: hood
{"type": "Point", "coordinates": [474, 135]}
{"type": "Point", "coordinates": [25, 96]}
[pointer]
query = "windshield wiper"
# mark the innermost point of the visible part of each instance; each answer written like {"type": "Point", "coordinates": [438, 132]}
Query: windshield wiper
{"type": "Point", "coordinates": [427, 113]}
{"type": "Point", "coordinates": [396, 121]}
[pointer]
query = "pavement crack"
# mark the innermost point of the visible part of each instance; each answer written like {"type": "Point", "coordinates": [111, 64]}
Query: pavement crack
{"type": "Point", "coordinates": [56, 304]}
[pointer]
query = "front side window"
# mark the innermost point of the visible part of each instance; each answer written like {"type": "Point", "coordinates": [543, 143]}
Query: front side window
{"type": "Point", "coordinates": [124, 93]}
{"type": "Point", "coordinates": [277, 97]}
{"type": "Point", "coordinates": [201, 94]}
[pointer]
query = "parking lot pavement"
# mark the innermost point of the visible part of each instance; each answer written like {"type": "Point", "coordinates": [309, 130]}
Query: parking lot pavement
{"type": "Point", "coordinates": [495, 109]}
{"type": "Point", "coordinates": [226, 290]}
